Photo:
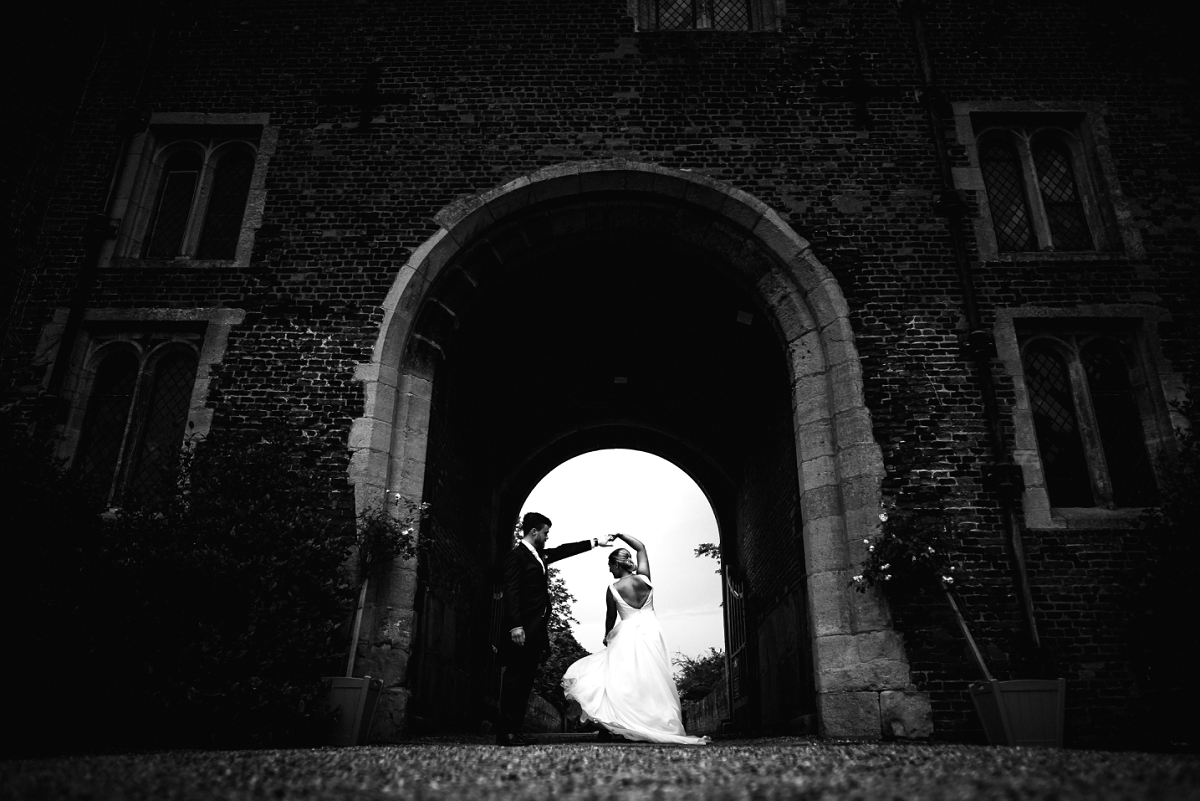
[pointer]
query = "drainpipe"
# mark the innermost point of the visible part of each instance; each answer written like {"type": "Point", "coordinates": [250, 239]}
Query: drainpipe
{"type": "Point", "coordinates": [978, 344]}
{"type": "Point", "coordinates": [98, 230]}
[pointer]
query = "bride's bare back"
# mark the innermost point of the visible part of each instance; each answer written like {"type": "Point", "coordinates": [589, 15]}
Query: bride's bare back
{"type": "Point", "coordinates": [634, 589]}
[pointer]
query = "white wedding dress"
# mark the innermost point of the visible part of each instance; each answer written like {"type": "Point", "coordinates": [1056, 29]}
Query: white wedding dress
{"type": "Point", "coordinates": [628, 687]}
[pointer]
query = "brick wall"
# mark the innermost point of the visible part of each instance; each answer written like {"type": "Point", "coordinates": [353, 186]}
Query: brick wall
{"type": "Point", "coordinates": [483, 92]}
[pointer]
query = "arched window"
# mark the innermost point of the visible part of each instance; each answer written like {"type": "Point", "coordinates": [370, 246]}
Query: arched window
{"type": "Point", "coordinates": [176, 199]}
{"type": "Point", "coordinates": [703, 15]}
{"type": "Point", "coordinates": [1090, 432]}
{"type": "Point", "coordinates": [1002, 175]}
{"type": "Point", "coordinates": [201, 200]}
{"type": "Point", "coordinates": [136, 419]}
{"type": "Point", "coordinates": [1060, 194]}
{"type": "Point", "coordinates": [1050, 397]}
{"type": "Point", "coordinates": [1035, 190]}
{"type": "Point", "coordinates": [108, 415]}
{"type": "Point", "coordinates": [226, 206]}
{"type": "Point", "coordinates": [1119, 424]}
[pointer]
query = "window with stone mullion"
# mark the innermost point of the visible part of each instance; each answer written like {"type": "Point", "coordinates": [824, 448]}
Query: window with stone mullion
{"type": "Point", "coordinates": [1066, 225]}
{"type": "Point", "coordinates": [1032, 180]}
{"type": "Point", "coordinates": [102, 447]}
{"type": "Point", "coordinates": [1005, 183]}
{"type": "Point", "coordinates": [1056, 422]}
{"type": "Point", "coordinates": [1130, 473]}
{"type": "Point", "coordinates": [725, 15]}
{"type": "Point", "coordinates": [162, 424]}
{"type": "Point", "coordinates": [1088, 423]}
{"type": "Point", "coordinates": [173, 210]}
{"type": "Point", "coordinates": [136, 419]}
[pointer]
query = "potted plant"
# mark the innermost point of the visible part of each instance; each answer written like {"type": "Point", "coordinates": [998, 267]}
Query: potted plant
{"type": "Point", "coordinates": [384, 532]}
{"type": "Point", "coordinates": [912, 555]}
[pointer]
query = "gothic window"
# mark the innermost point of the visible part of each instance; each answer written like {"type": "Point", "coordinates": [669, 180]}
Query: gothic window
{"type": "Point", "coordinates": [193, 191]}
{"type": "Point", "coordinates": [136, 413]}
{"type": "Point", "coordinates": [1089, 401]}
{"type": "Point", "coordinates": [1034, 190]}
{"type": "Point", "coordinates": [712, 15]}
{"type": "Point", "coordinates": [201, 199]}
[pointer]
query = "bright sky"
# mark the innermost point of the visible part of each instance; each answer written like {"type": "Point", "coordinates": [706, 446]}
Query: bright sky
{"type": "Point", "coordinates": [637, 493]}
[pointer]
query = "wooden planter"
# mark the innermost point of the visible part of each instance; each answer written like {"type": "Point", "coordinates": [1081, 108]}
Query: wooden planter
{"type": "Point", "coordinates": [354, 701]}
{"type": "Point", "coordinates": [1019, 712]}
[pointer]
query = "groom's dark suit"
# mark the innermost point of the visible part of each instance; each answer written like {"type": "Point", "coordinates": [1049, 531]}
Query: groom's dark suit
{"type": "Point", "coordinates": [526, 604]}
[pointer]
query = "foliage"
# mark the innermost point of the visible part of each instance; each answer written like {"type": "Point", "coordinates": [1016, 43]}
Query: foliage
{"type": "Point", "coordinates": [225, 602]}
{"type": "Point", "coordinates": [696, 677]}
{"type": "Point", "coordinates": [911, 553]}
{"type": "Point", "coordinates": [206, 619]}
{"type": "Point", "coordinates": [564, 647]}
{"type": "Point", "coordinates": [384, 535]}
{"type": "Point", "coordinates": [711, 550]}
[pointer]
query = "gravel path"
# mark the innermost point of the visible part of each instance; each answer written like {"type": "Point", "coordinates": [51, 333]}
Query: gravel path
{"type": "Point", "coordinates": [736, 769]}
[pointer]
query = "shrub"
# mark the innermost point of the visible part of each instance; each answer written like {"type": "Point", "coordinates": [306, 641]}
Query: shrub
{"type": "Point", "coordinates": [206, 619]}
{"type": "Point", "coordinates": [697, 677]}
{"type": "Point", "coordinates": [912, 553]}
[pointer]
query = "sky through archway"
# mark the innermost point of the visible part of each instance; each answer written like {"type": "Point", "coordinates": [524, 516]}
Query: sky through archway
{"type": "Point", "coordinates": [649, 497]}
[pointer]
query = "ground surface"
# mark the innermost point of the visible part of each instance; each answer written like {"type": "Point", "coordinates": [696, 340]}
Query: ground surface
{"type": "Point", "coordinates": [736, 769]}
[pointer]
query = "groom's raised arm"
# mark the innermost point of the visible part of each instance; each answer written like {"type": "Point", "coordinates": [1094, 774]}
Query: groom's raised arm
{"type": "Point", "coordinates": [567, 549]}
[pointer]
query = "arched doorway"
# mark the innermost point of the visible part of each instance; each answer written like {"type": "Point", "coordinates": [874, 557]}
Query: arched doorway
{"type": "Point", "coordinates": [620, 304]}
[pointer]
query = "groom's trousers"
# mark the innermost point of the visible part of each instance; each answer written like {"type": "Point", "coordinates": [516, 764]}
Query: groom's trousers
{"type": "Point", "coordinates": [519, 675]}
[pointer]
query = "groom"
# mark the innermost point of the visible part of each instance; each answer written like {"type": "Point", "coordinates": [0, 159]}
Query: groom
{"type": "Point", "coordinates": [526, 613]}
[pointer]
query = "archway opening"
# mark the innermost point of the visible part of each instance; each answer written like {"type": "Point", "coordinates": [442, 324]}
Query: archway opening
{"type": "Point", "coordinates": [607, 324]}
{"type": "Point", "coordinates": [612, 490]}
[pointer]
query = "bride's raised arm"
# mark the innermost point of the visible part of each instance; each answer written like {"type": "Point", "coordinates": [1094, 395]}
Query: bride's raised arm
{"type": "Point", "coordinates": [643, 561]}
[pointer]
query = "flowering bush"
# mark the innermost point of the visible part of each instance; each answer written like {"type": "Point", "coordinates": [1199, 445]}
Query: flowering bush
{"type": "Point", "coordinates": [911, 554]}
{"type": "Point", "coordinates": [384, 535]}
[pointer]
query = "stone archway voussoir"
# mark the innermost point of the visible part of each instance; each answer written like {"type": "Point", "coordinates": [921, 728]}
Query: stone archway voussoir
{"type": "Point", "coordinates": [777, 236]}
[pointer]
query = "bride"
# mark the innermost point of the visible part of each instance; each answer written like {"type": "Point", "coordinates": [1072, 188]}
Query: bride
{"type": "Point", "coordinates": [627, 688]}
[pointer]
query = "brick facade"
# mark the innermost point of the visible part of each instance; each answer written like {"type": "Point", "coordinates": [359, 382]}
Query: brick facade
{"type": "Point", "coordinates": [820, 121]}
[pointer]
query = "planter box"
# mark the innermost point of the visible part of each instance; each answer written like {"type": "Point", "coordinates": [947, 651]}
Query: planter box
{"type": "Point", "coordinates": [354, 701]}
{"type": "Point", "coordinates": [1022, 712]}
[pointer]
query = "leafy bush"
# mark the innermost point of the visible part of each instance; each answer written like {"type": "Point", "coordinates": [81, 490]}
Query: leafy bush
{"type": "Point", "coordinates": [565, 650]}
{"type": "Point", "coordinates": [697, 677]}
{"type": "Point", "coordinates": [911, 554]}
{"type": "Point", "coordinates": [204, 620]}
{"type": "Point", "coordinates": [225, 601]}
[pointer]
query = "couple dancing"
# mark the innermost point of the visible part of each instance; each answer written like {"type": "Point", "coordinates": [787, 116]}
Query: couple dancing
{"type": "Point", "coordinates": [627, 688]}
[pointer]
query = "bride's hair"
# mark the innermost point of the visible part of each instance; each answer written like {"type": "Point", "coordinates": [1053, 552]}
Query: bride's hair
{"type": "Point", "coordinates": [622, 557]}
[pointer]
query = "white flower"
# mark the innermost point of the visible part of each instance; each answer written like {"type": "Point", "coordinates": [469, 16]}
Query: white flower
{"type": "Point", "coordinates": [948, 579]}
{"type": "Point", "coordinates": [858, 579]}
{"type": "Point", "coordinates": [931, 550]}
{"type": "Point", "coordinates": [871, 548]}
{"type": "Point", "coordinates": [883, 516]}
{"type": "Point", "coordinates": [885, 567]}
{"type": "Point", "coordinates": [888, 577]}
{"type": "Point", "coordinates": [866, 541]}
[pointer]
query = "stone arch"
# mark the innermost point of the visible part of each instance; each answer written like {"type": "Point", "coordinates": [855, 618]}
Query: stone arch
{"type": "Point", "coordinates": [860, 671]}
